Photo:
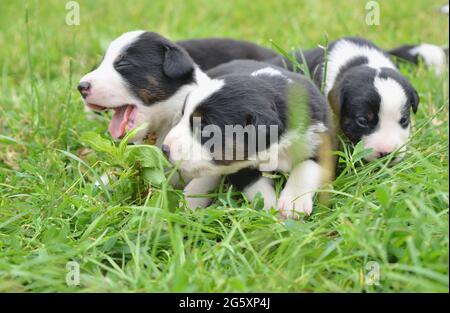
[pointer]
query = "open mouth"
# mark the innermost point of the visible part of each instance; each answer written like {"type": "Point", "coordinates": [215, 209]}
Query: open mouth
{"type": "Point", "coordinates": [122, 120]}
{"type": "Point", "coordinates": [96, 107]}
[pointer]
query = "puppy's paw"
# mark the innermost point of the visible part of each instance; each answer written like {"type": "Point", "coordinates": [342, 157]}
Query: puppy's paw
{"type": "Point", "coordinates": [199, 186]}
{"type": "Point", "coordinates": [195, 203]}
{"type": "Point", "coordinates": [269, 202]}
{"type": "Point", "coordinates": [291, 205]}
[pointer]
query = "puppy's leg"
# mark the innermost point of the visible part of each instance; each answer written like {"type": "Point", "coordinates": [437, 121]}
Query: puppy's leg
{"type": "Point", "coordinates": [250, 181]}
{"type": "Point", "coordinates": [297, 195]}
{"type": "Point", "coordinates": [179, 181]}
{"type": "Point", "coordinates": [200, 186]}
{"type": "Point", "coordinates": [263, 185]}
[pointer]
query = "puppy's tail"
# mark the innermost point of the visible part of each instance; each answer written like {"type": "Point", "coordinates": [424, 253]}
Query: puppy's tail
{"type": "Point", "coordinates": [433, 56]}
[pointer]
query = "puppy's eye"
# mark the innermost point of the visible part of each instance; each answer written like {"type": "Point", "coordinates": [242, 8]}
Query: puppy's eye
{"type": "Point", "coordinates": [121, 63]}
{"type": "Point", "coordinates": [404, 121]}
{"type": "Point", "coordinates": [362, 121]}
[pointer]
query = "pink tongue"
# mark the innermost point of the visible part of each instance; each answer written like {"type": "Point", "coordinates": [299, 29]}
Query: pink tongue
{"type": "Point", "coordinates": [120, 121]}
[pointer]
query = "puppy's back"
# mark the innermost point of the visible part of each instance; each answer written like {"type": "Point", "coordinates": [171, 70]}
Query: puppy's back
{"type": "Point", "coordinates": [210, 52]}
{"type": "Point", "coordinates": [279, 78]}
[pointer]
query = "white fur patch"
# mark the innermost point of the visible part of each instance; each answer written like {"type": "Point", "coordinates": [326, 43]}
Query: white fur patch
{"type": "Point", "coordinates": [205, 88]}
{"type": "Point", "coordinates": [184, 148]}
{"type": "Point", "coordinates": [200, 186]}
{"type": "Point", "coordinates": [389, 134]}
{"type": "Point", "coordinates": [108, 89]}
{"type": "Point", "coordinates": [263, 185]}
{"type": "Point", "coordinates": [291, 141]}
{"type": "Point", "coordinates": [433, 56]}
{"type": "Point", "coordinates": [297, 195]}
{"type": "Point", "coordinates": [270, 71]}
{"type": "Point", "coordinates": [344, 51]}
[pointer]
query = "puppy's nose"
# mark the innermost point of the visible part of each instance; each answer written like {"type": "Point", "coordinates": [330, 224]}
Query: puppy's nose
{"type": "Point", "coordinates": [84, 88]}
{"type": "Point", "coordinates": [383, 154]}
{"type": "Point", "coordinates": [166, 150]}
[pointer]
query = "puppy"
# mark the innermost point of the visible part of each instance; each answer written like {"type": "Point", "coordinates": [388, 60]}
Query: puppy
{"type": "Point", "coordinates": [242, 120]}
{"type": "Point", "coordinates": [143, 78]}
{"type": "Point", "coordinates": [368, 93]}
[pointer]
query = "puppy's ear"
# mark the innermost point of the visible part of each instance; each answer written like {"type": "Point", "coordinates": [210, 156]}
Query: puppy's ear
{"type": "Point", "coordinates": [411, 93]}
{"type": "Point", "coordinates": [177, 62]}
{"type": "Point", "coordinates": [263, 120]}
{"type": "Point", "coordinates": [414, 99]}
{"type": "Point", "coordinates": [334, 98]}
{"type": "Point", "coordinates": [263, 117]}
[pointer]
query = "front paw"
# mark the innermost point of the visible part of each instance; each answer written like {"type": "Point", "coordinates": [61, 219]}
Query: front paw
{"type": "Point", "coordinates": [194, 203]}
{"type": "Point", "coordinates": [290, 204]}
{"type": "Point", "coordinates": [197, 187]}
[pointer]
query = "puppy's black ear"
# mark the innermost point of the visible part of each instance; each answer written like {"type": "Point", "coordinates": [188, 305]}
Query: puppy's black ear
{"type": "Point", "coordinates": [177, 62]}
{"type": "Point", "coordinates": [264, 117]}
{"type": "Point", "coordinates": [334, 99]}
{"type": "Point", "coordinates": [263, 122]}
{"type": "Point", "coordinates": [414, 99]}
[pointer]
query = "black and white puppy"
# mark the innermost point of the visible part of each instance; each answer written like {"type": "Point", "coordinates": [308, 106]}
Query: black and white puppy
{"type": "Point", "coordinates": [256, 99]}
{"type": "Point", "coordinates": [144, 78]}
{"type": "Point", "coordinates": [368, 93]}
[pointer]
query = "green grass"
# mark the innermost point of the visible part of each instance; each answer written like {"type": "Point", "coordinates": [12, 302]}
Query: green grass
{"type": "Point", "coordinates": [131, 237]}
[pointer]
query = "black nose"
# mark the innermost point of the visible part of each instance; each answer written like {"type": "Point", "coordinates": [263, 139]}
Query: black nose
{"type": "Point", "coordinates": [84, 88]}
{"type": "Point", "coordinates": [383, 154]}
{"type": "Point", "coordinates": [166, 150]}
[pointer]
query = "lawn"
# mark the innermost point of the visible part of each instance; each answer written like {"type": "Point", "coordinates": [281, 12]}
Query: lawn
{"type": "Point", "coordinates": [132, 235]}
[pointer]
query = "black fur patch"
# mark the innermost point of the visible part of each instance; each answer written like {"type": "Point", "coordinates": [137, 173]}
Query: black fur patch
{"type": "Point", "coordinates": [403, 53]}
{"type": "Point", "coordinates": [260, 100]}
{"type": "Point", "coordinates": [208, 53]}
{"type": "Point", "coordinates": [317, 103]}
{"type": "Point", "coordinates": [244, 101]}
{"type": "Point", "coordinates": [358, 99]}
{"type": "Point", "coordinates": [244, 177]}
{"type": "Point", "coordinates": [154, 67]}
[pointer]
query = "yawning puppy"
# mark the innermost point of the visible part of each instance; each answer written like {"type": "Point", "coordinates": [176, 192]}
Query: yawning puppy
{"type": "Point", "coordinates": [252, 116]}
{"type": "Point", "coordinates": [370, 96]}
{"type": "Point", "coordinates": [144, 78]}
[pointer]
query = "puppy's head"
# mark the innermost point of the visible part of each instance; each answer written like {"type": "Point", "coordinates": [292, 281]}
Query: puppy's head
{"type": "Point", "coordinates": [226, 123]}
{"type": "Point", "coordinates": [374, 107]}
{"type": "Point", "coordinates": [138, 72]}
